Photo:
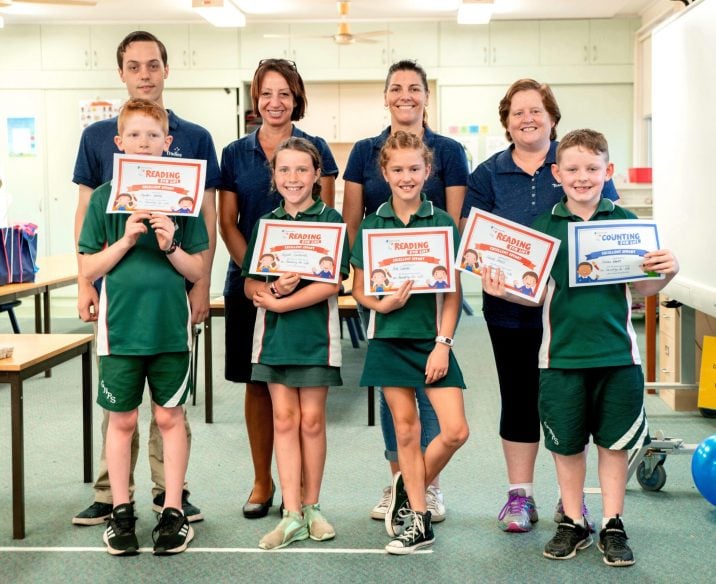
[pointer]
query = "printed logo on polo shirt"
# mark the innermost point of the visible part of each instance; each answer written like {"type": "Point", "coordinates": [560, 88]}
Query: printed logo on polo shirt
{"type": "Point", "coordinates": [556, 186]}
{"type": "Point", "coordinates": [107, 394]}
{"type": "Point", "coordinates": [175, 152]}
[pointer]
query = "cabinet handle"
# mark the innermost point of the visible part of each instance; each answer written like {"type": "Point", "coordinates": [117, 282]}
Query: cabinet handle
{"type": "Point", "coordinates": [384, 57]}
{"type": "Point", "coordinates": [393, 58]}
{"type": "Point", "coordinates": [293, 52]}
{"type": "Point", "coordinates": [586, 54]}
{"type": "Point", "coordinates": [595, 57]}
{"type": "Point", "coordinates": [95, 60]}
{"type": "Point", "coordinates": [335, 131]}
{"type": "Point", "coordinates": [185, 57]}
{"type": "Point", "coordinates": [494, 55]}
{"type": "Point", "coordinates": [485, 55]}
{"type": "Point", "coordinates": [193, 58]}
{"type": "Point", "coordinates": [87, 60]}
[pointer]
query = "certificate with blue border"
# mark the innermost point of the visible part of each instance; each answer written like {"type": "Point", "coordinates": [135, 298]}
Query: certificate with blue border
{"type": "Point", "coordinates": [610, 252]}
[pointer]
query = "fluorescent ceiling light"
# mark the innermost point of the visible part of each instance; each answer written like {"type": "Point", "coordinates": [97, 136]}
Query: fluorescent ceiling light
{"type": "Point", "coordinates": [221, 13]}
{"type": "Point", "coordinates": [475, 12]}
{"type": "Point", "coordinates": [2, 22]}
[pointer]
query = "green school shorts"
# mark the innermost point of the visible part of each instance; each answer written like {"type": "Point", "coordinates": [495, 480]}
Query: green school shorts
{"type": "Point", "coordinates": [297, 375]}
{"type": "Point", "coordinates": [606, 403]}
{"type": "Point", "coordinates": [122, 378]}
{"type": "Point", "coordinates": [401, 363]}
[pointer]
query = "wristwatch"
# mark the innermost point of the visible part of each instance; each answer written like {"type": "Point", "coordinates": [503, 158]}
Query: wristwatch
{"type": "Point", "coordinates": [172, 247]}
{"type": "Point", "coordinates": [274, 291]}
{"type": "Point", "coordinates": [445, 341]}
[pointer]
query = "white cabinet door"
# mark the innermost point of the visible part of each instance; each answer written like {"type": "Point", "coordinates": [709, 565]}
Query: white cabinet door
{"type": "Point", "coordinates": [104, 41]}
{"type": "Point", "coordinates": [255, 47]}
{"type": "Point", "coordinates": [213, 48]}
{"type": "Point", "coordinates": [464, 45]}
{"type": "Point", "coordinates": [175, 37]}
{"type": "Point", "coordinates": [21, 48]}
{"type": "Point", "coordinates": [323, 111]}
{"type": "Point", "coordinates": [514, 43]}
{"type": "Point", "coordinates": [66, 48]}
{"type": "Point", "coordinates": [361, 112]}
{"type": "Point", "coordinates": [361, 55]}
{"type": "Point", "coordinates": [564, 42]}
{"type": "Point", "coordinates": [612, 41]}
{"type": "Point", "coordinates": [414, 40]}
{"type": "Point", "coordinates": [313, 48]}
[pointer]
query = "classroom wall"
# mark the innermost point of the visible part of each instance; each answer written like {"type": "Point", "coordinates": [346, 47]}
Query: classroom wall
{"type": "Point", "coordinates": [46, 70]}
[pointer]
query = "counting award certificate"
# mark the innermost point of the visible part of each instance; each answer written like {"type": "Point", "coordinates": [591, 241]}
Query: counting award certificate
{"type": "Point", "coordinates": [310, 249]}
{"type": "Point", "coordinates": [610, 252]}
{"type": "Point", "coordinates": [173, 186]}
{"type": "Point", "coordinates": [423, 255]}
{"type": "Point", "coordinates": [523, 254]}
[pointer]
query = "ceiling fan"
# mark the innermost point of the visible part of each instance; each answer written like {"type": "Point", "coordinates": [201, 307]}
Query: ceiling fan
{"type": "Point", "coordinates": [343, 35]}
{"type": "Point", "coordinates": [6, 3]}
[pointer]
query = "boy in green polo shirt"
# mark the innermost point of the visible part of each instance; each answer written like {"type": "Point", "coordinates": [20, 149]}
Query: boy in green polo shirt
{"type": "Point", "coordinates": [143, 326]}
{"type": "Point", "coordinates": [591, 381]}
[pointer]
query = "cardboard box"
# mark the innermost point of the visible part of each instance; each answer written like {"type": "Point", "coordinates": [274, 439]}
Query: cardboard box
{"type": "Point", "coordinates": [680, 400]}
{"type": "Point", "coordinates": [707, 380]}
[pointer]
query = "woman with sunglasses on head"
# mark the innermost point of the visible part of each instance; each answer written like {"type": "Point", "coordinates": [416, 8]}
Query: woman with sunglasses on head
{"type": "Point", "coordinates": [406, 95]}
{"type": "Point", "coordinates": [278, 96]}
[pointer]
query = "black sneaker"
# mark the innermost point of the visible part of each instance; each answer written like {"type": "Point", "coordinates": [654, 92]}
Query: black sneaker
{"type": "Point", "coordinates": [172, 534]}
{"type": "Point", "coordinates": [569, 538]}
{"type": "Point", "coordinates": [119, 534]}
{"type": "Point", "coordinates": [394, 519]}
{"type": "Point", "coordinates": [613, 544]}
{"type": "Point", "coordinates": [191, 512]}
{"type": "Point", "coordinates": [418, 535]}
{"type": "Point", "coordinates": [95, 514]}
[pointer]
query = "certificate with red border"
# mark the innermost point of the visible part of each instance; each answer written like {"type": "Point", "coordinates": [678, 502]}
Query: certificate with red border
{"type": "Point", "coordinates": [310, 249]}
{"type": "Point", "coordinates": [423, 255]}
{"type": "Point", "coordinates": [523, 254]}
{"type": "Point", "coordinates": [173, 186]}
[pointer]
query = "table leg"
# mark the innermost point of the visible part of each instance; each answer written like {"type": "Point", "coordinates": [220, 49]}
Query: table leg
{"type": "Point", "coordinates": [87, 404]}
{"type": "Point", "coordinates": [38, 315]}
{"type": "Point", "coordinates": [18, 460]}
{"type": "Point", "coordinates": [208, 374]}
{"type": "Point", "coordinates": [371, 405]}
{"type": "Point", "coordinates": [46, 320]}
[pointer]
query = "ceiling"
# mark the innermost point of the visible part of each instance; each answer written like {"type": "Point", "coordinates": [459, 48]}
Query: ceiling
{"type": "Point", "coordinates": [148, 11]}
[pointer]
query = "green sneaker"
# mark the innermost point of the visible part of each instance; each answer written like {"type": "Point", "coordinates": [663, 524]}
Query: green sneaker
{"type": "Point", "coordinates": [291, 528]}
{"type": "Point", "coordinates": [318, 527]}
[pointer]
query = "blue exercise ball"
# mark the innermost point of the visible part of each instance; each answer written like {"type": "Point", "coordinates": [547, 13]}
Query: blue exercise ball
{"type": "Point", "coordinates": [703, 469]}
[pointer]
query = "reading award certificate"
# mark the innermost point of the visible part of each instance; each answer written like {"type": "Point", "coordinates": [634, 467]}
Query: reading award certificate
{"type": "Point", "coordinates": [423, 255]}
{"type": "Point", "coordinates": [523, 254]}
{"type": "Point", "coordinates": [610, 252]}
{"type": "Point", "coordinates": [307, 248]}
{"type": "Point", "coordinates": [173, 186]}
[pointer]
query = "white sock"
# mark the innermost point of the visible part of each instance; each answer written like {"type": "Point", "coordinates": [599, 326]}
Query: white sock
{"type": "Point", "coordinates": [528, 487]}
{"type": "Point", "coordinates": [580, 522]}
{"type": "Point", "coordinates": [606, 520]}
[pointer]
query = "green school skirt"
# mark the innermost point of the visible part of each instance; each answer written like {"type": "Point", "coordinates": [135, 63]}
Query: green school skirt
{"type": "Point", "coordinates": [297, 375]}
{"type": "Point", "coordinates": [401, 363]}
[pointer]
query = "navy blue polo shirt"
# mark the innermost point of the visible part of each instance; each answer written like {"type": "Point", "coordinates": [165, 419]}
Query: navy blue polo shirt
{"type": "Point", "coordinates": [95, 157]}
{"type": "Point", "coordinates": [501, 187]}
{"type": "Point", "coordinates": [246, 172]}
{"type": "Point", "coordinates": [449, 169]}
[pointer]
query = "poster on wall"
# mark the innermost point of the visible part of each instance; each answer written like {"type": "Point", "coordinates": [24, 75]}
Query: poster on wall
{"type": "Point", "coordinates": [21, 137]}
{"type": "Point", "coordinates": [93, 110]}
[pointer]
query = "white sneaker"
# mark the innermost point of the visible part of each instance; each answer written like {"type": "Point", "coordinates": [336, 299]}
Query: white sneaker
{"type": "Point", "coordinates": [436, 503]}
{"type": "Point", "coordinates": [379, 511]}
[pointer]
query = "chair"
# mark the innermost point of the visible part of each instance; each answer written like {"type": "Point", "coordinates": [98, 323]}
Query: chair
{"type": "Point", "coordinates": [9, 308]}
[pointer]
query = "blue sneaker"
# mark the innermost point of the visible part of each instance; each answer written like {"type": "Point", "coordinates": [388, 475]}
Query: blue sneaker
{"type": "Point", "coordinates": [519, 513]}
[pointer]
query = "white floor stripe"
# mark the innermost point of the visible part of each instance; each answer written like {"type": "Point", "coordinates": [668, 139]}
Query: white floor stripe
{"type": "Point", "coordinates": [214, 550]}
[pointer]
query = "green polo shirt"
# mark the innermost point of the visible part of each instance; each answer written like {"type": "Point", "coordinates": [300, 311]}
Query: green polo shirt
{"type": "Point", "coordinates": [421, 315]}
{"type": "Point", "coordinates": [311, 335]}
{"type": "Point", "coordinates": [588, 326]}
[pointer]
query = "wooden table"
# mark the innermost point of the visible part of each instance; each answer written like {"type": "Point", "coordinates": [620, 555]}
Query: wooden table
{"type": "Point", "coordinates": [54, 272]}
{"type": "Point", "coordinates": [346, 307]}
{"type": "Point", "coordinates": [33, 354]}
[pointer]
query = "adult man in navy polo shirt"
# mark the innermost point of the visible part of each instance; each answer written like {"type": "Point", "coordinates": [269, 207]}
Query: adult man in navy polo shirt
{"type": "Point", "coordinates": [142, 61]}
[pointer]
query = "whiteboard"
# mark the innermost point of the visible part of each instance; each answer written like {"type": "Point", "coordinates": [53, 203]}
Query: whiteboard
{"type": "Point", "coordinates": [684, 131]}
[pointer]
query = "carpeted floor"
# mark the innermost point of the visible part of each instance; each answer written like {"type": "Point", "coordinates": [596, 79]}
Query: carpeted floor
{"type": "Point", "coordinates": [672, 531]}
